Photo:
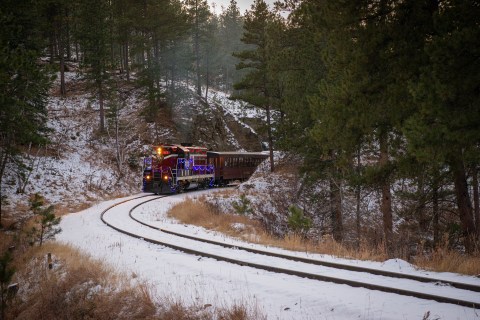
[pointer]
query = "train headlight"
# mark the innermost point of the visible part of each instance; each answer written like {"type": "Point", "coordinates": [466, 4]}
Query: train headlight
{"type": "Point", "coordinates": [165, 178]}
{"type": "Point", "coordinates": [147, 177]}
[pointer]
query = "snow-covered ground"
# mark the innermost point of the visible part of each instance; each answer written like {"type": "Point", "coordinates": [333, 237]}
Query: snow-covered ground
{"type": "Point", "coordinates": [195, 279]}
{"type": "Point", "coordinates": [78, 166]}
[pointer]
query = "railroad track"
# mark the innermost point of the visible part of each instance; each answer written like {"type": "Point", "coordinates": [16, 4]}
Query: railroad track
{"type": "Point", "coordinates": [463, 287]}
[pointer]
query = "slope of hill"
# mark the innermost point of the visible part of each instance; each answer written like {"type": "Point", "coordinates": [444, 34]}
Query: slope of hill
{"type": "Point", "coordinates": [82, 166]}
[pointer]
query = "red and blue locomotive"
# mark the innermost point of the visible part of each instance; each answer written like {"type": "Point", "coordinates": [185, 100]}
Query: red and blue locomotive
{"type": "Point", "coordinates": [174, 168]}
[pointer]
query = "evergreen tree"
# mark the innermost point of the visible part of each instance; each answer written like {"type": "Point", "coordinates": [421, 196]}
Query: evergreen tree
{"type": "Point", "coordinates": [24, 82]}
{"type": "Point", "coordinates": [46, 222]}
{"type": "Point", "coordinates": [6, 274]}
{"type": "Point", "coordinates": [125, 17]}
{"type": "Point", "coordinates": [55, 24]}
{"type": "Point", "coordinates": [211, 53]}
{"type": "Point", "coordinates": [94, 38]}
{"type": "Point", "coordinates": [444, 130]}
{"type": "Point", "coordinates": [199, 14]}
{"type": "Point", "coordinates": [230, 33]}
{"type": "Point", "coordinates": [163, 23]}
{"type": "Point", "coordinates": [255, 86]}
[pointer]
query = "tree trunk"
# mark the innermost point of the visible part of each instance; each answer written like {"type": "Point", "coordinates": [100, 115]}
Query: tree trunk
{"type": "Point", "coordinates": [76, 52]}
{"type": "Point", "coordinates": [436, 216]}
{"type": "Point", "coordinates": [386, 202]}
{"type": "Point", "coordinates": [197, 49]}
{"type": "Point", "coordinates": [127, 69]}
{"type": "Point", "coordinates": [67, 37]}
{"type": "Point", "coordinates": [63, 90]}
{"type": "Point", "coordinates": [463, 202]}
{"type": "Point", "coordinates": [50, 47]}
{"type": "Point", "coordinates": [55, 45]}
{"type": "Point", "coordinates": [156, 53]}
{"type": "Point", "coordinates": [358, 191]}
{"type": "Point", "coordinates": [422, 221]}
{"type": "Point", "coordinates": [270, 139]}
{"type": "Point", "coordinates": [336, 210]}
{"type": "Point", "coordinates": [207, 78]}
{"type": "Point", "coordinates": [117, 143]}
{"type": "Point", "coordinates": [3, 164]}
{"type": "Point", "coordinates": [476, 204]}
{"type": "Point", "coordinates": [102, 111]}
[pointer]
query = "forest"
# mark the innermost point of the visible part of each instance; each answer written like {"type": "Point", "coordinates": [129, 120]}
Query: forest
{"type": "Point", "coordinates": [374, 97]}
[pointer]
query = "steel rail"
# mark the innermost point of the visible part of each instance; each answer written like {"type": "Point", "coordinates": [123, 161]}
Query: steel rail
{"type": "Point", "coordinates": [324, 278]}
{"type": "Point", "coordinates": [391, 274]}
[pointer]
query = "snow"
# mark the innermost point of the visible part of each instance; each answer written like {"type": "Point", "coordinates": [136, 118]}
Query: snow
{"type": "Point", "coordinates": [75, 168]}
{"type": "Point", "coordinates": [237, 109]}
{"type": "Point", "coordinates": [195, 279]}
{"type": "Point", "coordinates": [78, 171]}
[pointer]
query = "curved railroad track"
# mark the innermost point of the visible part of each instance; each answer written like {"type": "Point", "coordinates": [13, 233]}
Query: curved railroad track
{"type": "Point", "coordinates": [463, 288]}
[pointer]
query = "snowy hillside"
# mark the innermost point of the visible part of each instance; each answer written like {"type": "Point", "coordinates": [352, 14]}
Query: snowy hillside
{"type": "Point", "coordinates": [80, 167]}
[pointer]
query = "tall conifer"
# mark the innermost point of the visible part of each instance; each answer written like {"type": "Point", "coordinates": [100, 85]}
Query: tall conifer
{"type": "Point", "coordinates": [24, 82]}
{"type": "Point", "coordinates": [445, 127]}
{"type": "Point", "coordinates": [255, 85]}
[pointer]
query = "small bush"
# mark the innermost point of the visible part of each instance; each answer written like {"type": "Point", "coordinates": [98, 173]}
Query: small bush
{"type": "Point", "coordinates": [242, 207]}
{"type": "Point", "coordinates": [6, 274]}
{"type": "Point", "coordinates": [297, 221]}
{"type": "Point", "coordinates": [45, 224]}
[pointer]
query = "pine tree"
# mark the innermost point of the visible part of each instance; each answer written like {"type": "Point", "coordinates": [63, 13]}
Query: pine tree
{"type": "Point", "coordinates": [24, 82]}
{"type": "Point", "coordinates": [373, 48]}
{"type": "Point", "coordinates": [255, 86]}
{"type": "Point", "coordinates": [199, 14]}
{"type": "Point", "coordinates": [125, 17]}
{"type": "Point", "coordinates": [94, 38]}
{"type": "Point", "coordinates": [445, 127]}
{"type": "Point", "coordinates": [46, 222]}
{"type": "Point", "coordinates": [55, 24]}
{"type": "Point", "coordinates": [6, 274]}
{"type": "Point", "coordinates": [231, 29]}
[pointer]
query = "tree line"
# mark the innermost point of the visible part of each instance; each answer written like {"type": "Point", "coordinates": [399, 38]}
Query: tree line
{"type": "Point", "coordinates": [377, 96]}
{"type": "Point", "coordinates": [151, 44]}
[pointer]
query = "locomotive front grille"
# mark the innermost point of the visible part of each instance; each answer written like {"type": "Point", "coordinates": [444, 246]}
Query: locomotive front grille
{"type": "Point", "coordinates": [157, 176]}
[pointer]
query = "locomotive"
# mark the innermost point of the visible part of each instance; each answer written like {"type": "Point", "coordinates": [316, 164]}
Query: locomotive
{"type": "Point", "coordinates": [177, 167]}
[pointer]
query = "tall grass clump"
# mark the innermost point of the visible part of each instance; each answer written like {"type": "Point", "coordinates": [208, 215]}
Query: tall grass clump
{"type": "Point", "coordinates": [443, 259]}
{"type": "Point", "coordinates": [78, 287]}
{"type": "Point", "coordinates": [446, 259]}
{"type": "Point", "coordinates": [201, 214]}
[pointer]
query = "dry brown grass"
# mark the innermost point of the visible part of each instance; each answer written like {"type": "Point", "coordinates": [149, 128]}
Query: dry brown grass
{"type": "Point", "coordinates": [444, 259]}
{"type": "Point", "coordinates": [79, 287]}
{"type": "Point", "coordinates": [201, 214]}
{"type": "Point", "coordinates": [6, 240]}
{"type": "Point", "coordinates": [176, 310]}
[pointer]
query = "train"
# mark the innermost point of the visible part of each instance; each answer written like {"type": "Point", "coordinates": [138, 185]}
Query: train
{"type": "Point", "coordinates": [174, 168]}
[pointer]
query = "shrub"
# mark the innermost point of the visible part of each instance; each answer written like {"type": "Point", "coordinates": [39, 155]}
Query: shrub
{"type": "Point", "coordinates": [45, 221]}
{"type": "Point", "coordinates": [6, 274]}
{"type": "Point", "coordinates": [297, 221]}
{"type": "Point", "coordinates": [242, 207]}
